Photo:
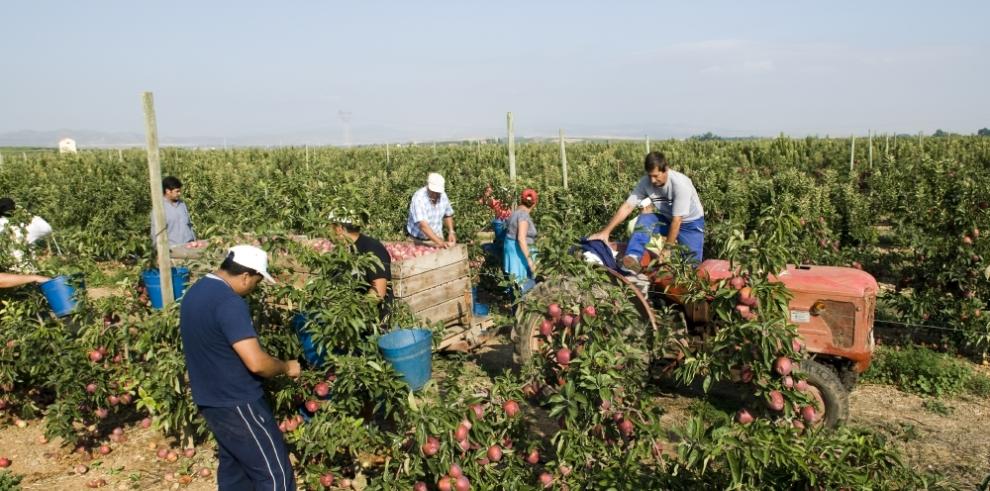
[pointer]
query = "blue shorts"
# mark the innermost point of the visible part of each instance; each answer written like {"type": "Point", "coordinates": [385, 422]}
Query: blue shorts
{"type": "Point", "coordinates": [253, 455]}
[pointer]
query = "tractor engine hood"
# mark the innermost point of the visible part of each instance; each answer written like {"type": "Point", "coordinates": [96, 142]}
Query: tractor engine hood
{"type": "Point", "coordinates": [834, 280]}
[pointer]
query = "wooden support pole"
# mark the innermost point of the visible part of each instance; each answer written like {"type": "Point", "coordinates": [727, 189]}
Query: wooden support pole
{"type": "Point", "coordinates": [870, 134]}
{"type": "Point", "coordinates": [886, 145]}
{"type": "Point", "coordinates": [647, 143]}
{"type": "Point", "coordinates": [388, 155]}
{"type": "Point", "coordinates": [120, 155]}
{"type": "Point", "coordinates": [921, 141]}
{"type": "Point", "coordinates": [563, 158]}
{"type": "Point", "coordinates": [852, 152]}
{"type": "Point", "coordinates": [157, 204]}
{"type": "Point", "coordinates": [512, 147]}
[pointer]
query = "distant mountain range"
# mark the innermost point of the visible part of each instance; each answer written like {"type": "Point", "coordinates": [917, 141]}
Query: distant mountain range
{"type": "Point", "coordinates": [361, 135]}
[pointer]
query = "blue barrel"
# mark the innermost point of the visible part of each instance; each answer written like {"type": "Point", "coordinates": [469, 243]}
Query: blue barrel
{"type": "Point", "coordinates": [152, 281]}
{"type": "Point", "coordinates": [500, 228]}
{"type": "Point", "coordinates": [60, 295]}
{"type": "Point", "coordinates": [410, 352]}
{"type": "Point", "coordinates": [480, 309]}
{"type": "Point", "coordinates": [314, 356]}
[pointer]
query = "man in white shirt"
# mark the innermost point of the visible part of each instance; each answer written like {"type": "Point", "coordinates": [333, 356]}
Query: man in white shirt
{"type": "Point", "coordinates": [678, 212]}
{"type": "Point", "coordinates": [429, 211]}
{"type": "Point", "coordinates": [34, 231]}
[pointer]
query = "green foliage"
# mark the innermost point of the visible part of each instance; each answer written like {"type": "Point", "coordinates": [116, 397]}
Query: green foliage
{"type": "Point", "coordinates": [919, 370]}
{"type": "Point", "coordinates": [10, 481]}
{"type": "Point", "coordinates": [763, 456]}
{"type": "Point", "coordinates": [978, 385]}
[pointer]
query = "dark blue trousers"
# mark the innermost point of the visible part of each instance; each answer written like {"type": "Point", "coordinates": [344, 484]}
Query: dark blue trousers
{"type": "Point", "coordinates": [253, 455]}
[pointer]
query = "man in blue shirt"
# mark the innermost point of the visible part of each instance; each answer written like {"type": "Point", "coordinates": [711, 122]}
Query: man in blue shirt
{"type": "Point", "coordinates": [226, 367]}
{"type": "Point", "coordinates": [178, 225]}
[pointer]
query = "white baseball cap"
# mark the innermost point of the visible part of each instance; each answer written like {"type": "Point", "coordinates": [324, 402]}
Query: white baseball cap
{"type": "Point", "coordinates": [435, 182]}
{"type": "Point", "coordinates": [252, 257]}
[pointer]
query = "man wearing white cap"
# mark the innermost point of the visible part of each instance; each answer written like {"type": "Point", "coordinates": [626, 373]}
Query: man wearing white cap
{"type": "Point", "coordinates": [226, 366]}
{"type": "Point", "coordinates": [429, 211]}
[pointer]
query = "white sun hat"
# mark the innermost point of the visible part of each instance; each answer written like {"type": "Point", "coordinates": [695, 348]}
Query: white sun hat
{"type": "Point", "coordinates": [435, 182]}
{"type": "Point", "coordinates": [252, 257]}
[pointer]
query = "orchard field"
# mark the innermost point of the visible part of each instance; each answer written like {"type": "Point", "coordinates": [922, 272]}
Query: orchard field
{"type": "Point", "coordinates": [910, 211]}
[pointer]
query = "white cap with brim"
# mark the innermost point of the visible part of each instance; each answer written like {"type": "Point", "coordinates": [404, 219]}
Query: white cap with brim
{"type": "Point", "coordinates": [251, 257]}
{"type": "Point", "coordinates": [435, 182]}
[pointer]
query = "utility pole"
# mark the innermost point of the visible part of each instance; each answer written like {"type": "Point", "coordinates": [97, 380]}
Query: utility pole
{"type": "Point", "coordinates": [512, 148]}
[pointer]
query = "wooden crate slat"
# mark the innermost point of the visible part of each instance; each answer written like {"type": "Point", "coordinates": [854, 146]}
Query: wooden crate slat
{"type": "Point", "coordinates": [429, 262]}
{"type": "Point", "coordinates": [437, 295]}
{"type": "Point", "coordinates": [408, 286]}
{"type": "Point", "coordinates": [451, 311]}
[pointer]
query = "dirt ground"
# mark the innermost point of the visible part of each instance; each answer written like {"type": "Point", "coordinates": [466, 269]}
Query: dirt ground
{"type": "Point", "coordinates": [953, 439]}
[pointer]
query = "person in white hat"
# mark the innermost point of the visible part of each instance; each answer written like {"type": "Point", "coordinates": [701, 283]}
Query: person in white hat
{"type": "Point", "coordinates": [226, 367]}
{"type": "Point", "coordinates": [346, 224]}
{"type": "Point", "coordinates": [429, 211]}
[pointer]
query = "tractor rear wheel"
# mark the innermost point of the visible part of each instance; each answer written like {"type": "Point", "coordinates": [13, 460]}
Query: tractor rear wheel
{"type": "Point", "coordinates": [829, 392]}
{"type": "Point", "coordinates": [526, 331]}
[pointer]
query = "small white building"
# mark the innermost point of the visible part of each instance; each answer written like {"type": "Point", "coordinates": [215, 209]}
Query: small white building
{"type": "Point", "coordinates": [66, 145]}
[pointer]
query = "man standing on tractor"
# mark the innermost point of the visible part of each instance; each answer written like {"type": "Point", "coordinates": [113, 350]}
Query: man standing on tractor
{"type": "Point", "coordinates": [677, 213]}
{"type": "Point", "coordinates": [429, 211]}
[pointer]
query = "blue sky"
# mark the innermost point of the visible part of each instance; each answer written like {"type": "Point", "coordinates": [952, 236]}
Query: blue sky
{"type": "Point", "coordinates": [278, 71]}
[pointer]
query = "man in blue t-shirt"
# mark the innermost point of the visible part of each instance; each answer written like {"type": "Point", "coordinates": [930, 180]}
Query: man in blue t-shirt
{"type": "Point", "coordinates": [226, 366]}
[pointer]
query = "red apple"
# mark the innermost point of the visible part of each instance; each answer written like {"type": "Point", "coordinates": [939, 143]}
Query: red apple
{"type": "Point", "coordinates": [326, 480]}
{"type": "Point", "coordinates": [494, 453]}
{"type": "Point", "coordinates": [546, 328]}
{"type": "Point", "coordinates": [590, 312]}
{"type": "Point", "coordinates": [321, 389]}
{"type": "Point", "coordinates": [782, 366]}
{"type": "Point", "coordinates": [533, 457]}
{"type": "Point", "coordinates": [511, 408]}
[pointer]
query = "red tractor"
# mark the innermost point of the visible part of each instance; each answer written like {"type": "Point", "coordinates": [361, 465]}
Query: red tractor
{"type": "Point", "coordinates": [833, 308]}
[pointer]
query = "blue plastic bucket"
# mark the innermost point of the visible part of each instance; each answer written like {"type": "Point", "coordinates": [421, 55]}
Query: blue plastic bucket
{"type": "Point", "coordinates": [60, 295]}
{"type": "Point", "coordinates": [410, 352]}
{"type": "Point", "coordinates": [313, 356]}
{"type": "Point", "coordinates": [480, 309]}
{"type": "Point", "coordinates": [152, 281]}
{"type": "Point", "coordinates": [500, 228]}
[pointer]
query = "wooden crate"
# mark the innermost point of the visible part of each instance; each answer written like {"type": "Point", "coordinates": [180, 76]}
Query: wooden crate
{"type": "Point", "coordinates": [437, 286]}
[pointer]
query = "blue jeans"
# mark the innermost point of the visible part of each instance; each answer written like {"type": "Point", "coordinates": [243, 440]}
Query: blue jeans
{"type": "Point", "coordinates": [691, 234]}
{"type": "Point", "coordinates": [253, 455]}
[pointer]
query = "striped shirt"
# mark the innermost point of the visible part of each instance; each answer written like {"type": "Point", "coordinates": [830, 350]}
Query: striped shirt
{"type": "Point", "coordinates": [421, 208]}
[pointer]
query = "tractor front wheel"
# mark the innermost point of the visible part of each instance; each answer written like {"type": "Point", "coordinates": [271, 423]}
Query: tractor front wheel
{"type": "Point", "coordinates": [828, 391]}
